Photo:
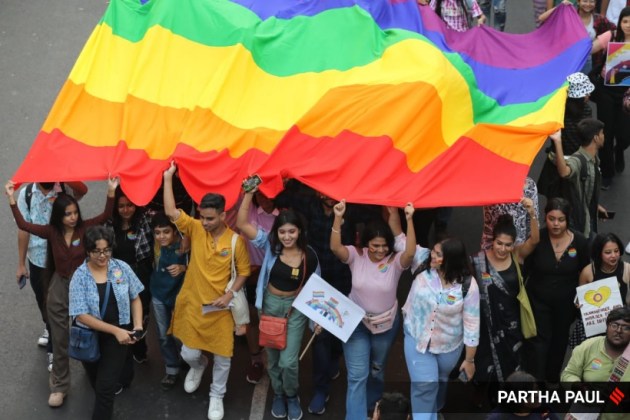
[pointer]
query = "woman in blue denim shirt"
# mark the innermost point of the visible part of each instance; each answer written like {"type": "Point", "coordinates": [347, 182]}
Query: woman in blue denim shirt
{"type": "Point", "coordinates": [87, 289]}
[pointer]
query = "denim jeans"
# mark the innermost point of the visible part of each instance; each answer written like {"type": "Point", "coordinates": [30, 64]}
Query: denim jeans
{"type": "Point", "coordinates": [498, 7]}
{"type": "Point", "coordinates": [169, 346]}
{"type": "Point", "coordinates": [283, 365]}
{"type": "Point", "coordinates": [327, 350]}
{"type": "Point", "coordinates": [366, 355]}
{"type": "Point", "coordinates": [425, 369]}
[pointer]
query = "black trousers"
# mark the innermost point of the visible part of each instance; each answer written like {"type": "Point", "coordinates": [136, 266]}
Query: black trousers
{"type": "Point", "coordinates": [104, 375]}
{"type": "Point", "coordinates": [39, 280]}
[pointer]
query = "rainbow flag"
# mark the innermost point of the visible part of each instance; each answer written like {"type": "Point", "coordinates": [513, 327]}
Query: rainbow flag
{"type": "Point", "coordinates": [374, 101]}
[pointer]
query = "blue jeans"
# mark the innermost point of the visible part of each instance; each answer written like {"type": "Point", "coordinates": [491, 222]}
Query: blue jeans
{"type": "Point", "coordinates": [169, 347]}
{"type": "Point", "coordinates": [366, 355]}
{"type": "Point", "coordinates": [498, 7]}
{"type": "Point", "coordinates": [425, 369]}
{"type": "Point", "coordinates": [327, 351]}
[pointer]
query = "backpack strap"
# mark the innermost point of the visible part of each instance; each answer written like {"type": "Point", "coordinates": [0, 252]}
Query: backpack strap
{"type": "Point", "coordinates": [28, 196]}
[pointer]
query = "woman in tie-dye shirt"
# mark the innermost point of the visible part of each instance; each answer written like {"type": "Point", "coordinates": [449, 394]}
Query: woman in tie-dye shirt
{"type": "Point", "coordinates": [441, 317]}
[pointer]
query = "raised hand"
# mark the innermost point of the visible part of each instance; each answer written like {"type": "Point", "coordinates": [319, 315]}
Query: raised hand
{"type": "Point", "coordinates": [171, 170]}
{"type": "Point", "coordinates": [409, 210]}
{"type": "Point", "coordinates": [340, 208]}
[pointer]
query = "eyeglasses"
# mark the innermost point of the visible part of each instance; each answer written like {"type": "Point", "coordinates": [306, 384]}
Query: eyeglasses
{"type": "Point", "coordinates": [104, 252]}
{"type": "Point", "coordinates": [616, 326]}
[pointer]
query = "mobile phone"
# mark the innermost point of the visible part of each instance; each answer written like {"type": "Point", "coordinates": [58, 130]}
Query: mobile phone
{"type": "Point", "coordinates": [22, 281]}
{"type": "Point", "coordinates": [251, 183]}
{"type": "Point", "coordinates": [139, 334]}
{"type": "Point", "coordinates": [608, 216]}
{"type": "Point", "coordinates": [462, 376]}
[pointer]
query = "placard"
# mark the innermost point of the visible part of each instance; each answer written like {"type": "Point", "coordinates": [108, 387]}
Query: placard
{"type": "Point", "coordinates": [598, 299]}
{"type": "Point", "coordinates": [328, 307]}
{"type": "Point", "coordinates": [617, 64]}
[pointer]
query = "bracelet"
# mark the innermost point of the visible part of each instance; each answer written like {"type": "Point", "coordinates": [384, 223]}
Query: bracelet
{"type": "Point", "coordinates": [470, 361]}
{"type": "Point", "coordinates": [335, 230]}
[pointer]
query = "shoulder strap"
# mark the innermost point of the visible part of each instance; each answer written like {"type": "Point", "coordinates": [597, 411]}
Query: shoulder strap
{"type": "Point", "coordinates": [105, 301]}
{"type": "Point", "coordinates": [28, 196]}
{"type": "Point", "coordinates": [518, 271]}
{"type": "Point", "coordinates": [301, 283]}
{"type": "Point", "coordinates": [583, 166]}
{"type": "Point", "coordinates": [233, 265]}
{"type": "Point", "coordinates": [466, 286]}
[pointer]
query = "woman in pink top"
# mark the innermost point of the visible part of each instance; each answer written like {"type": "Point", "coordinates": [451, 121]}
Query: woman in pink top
{"type": "Point", "coordinates": [376, 269]}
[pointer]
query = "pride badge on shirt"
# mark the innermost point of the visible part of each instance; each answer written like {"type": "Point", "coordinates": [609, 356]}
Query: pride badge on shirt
{"type": "Point", "coordinates": [596, 364]}
{"type": "Point", "coordinates": [76, 242]}
{"type": "Point", "coordinates": [572, 252]}
{"type": "Point", "coordinates": [224, 252]}
{"type": "Point", "coordinates": [450, 299]}
{"type": "Point", "coordinates": [131, 236]}
{"type": "Point", "coordinates": [486, 278]}
{"type": "Point", "coordinates": [117, 272]}
{"type": "Point", "coordinates": [383, 267]}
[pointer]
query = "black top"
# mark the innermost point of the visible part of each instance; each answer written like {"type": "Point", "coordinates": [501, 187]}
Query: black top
{"type": "Point", "coordinates": [598, 274]}
{"type": "Point", "coordinates": [510, 278]}
{"type": "Point", "coordinates": [551, 280]}
{"type": "Point", "coordinates": [111, 312]}
{"type": "Point", "coordinates": [125, 245]}
{"type": "Point", "coordinates": [286, 278]}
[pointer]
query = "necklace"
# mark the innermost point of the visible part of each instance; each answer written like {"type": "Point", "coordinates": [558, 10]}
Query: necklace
{"type": "Point", "coordinates": [612, 270]}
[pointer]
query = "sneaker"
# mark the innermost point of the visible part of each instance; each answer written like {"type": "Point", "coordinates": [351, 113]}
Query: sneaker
{"type": "Point", "coordinates": [42, 341]}
{"type": "Point", "coordinates": [140, 359]}
{"type": "Point", "coordinates": [215, 411]}
{"type": "Point", "coordinates": [50, 361]}
{"type": "Point", "coordinates": [168, 382]}
{"type": "Point", "coordinates": [56, 399]}
{"type": "Point", "coordinates": [119, 390]}
{"type": "Point", "coordinates": [254, 372]}
{"type": "Point", "coordinates": [318, 403]}
{"type": "Point", "coordinates": [293, 408]}
{"type": "Point", "coordinates": [193, 378]}
{"type": "Point", "coordinates": [279, 407]}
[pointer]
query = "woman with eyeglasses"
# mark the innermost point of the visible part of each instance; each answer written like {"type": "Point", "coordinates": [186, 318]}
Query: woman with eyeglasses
{"type": "Point", "coordinates": [64, 234]}
{"type": "Point", "coordinates": [107, 286]}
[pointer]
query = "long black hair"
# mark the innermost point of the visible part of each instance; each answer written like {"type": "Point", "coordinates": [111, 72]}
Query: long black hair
{"type": "Point", "coordinates": [619, 35]}
{"type": "Point", "coordinates": [58, 212]}
{"type": "Point", "coordinates": [438, 6]}
{"type": "Point", "coordinates": [455, 262]}
{"type": "Point", "coordinates": [117, 220]}
{"type": "Point", "coordinates": [287, 217]}
{"type": "Point", "coordinates": [378, 229]}
{"type": "Point", "coordinates": [598, 246]}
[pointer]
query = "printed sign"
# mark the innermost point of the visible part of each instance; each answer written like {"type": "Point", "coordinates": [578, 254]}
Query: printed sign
{"type": "Point", "coordinates": [328, 307]}
{"type": "Point", "coordinates": [617, 64]}
{"type": "Point", "coordinates": [597, 299]}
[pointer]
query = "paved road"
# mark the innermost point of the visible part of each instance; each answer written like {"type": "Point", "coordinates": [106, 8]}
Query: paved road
{"type": "Point", "coordinates": [39, 42]}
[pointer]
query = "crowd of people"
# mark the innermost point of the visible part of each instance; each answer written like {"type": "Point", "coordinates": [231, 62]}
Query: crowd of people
{"type": "Point", "coordinates": [185, 264]}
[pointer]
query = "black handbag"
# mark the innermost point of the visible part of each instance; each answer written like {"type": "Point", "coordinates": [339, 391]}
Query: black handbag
{"type": "Point", "coordinates": [83, 344]}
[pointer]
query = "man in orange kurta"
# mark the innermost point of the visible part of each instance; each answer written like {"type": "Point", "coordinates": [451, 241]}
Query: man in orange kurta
{"type": "Point", "coordinates": [206, 282]}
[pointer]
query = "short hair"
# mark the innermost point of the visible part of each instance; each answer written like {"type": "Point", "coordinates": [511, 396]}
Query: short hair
{"type": "Point", "coordinates": [291, 217]}
{"type": "Point", "coordinates": [160, 219]}
{"type": "Point", "coordinates": [378, 229]}
{"type": "Point", "coordinates": [58, 211]}
{"type": "Point", "coordinates": [504, 226]}
{"type": "Point", "coordinates": [455, 262]}
{"type": "Point", "coordinates": [213, 201]}
{"type": "Point", "coordinates": [518, 381]}
{"type": "Point", "coordinates": [558, 203]}
{"type": "Point", "coordinates": [598, 246]}
{"type": "Point", "coordinates": [588, 128]}
{"type": "Point", "coordinates": [96, 233]}
{"type": "Point", "coordinates": [393, 406]}
{"type": "Point", "coordinates": [618, 314]}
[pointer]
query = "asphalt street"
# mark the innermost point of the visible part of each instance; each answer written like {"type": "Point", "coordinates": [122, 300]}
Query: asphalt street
{"type": "Point", "coordinates": [39, 42]}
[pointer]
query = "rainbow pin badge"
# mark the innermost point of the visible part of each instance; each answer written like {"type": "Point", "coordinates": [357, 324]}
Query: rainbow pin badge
{"type": "Point", "coordinates": [383, 267]}
{"type": "Point", "coordinates": [76, 242]}
{"type": "Point", "coordinates": [486, 278]}
{"type": "Point", "coordinates": [450, 299]}
{"type": "Point", "coordinates": [132, 236]}
{"type": "Point", "coordinates": [572, 252]}
{"type": "Point", "coordinates": [596, 364]}
{"type": "Point", "coordinates": [118, 275]}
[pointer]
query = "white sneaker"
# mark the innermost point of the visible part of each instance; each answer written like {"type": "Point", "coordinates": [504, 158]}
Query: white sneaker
{"type": "Point", "coordinates": [215, 411]}
{"type": "Point", "coordinates": [193, 378]}
{"type": "Point", "coordinates": [42, 341]}
{"type": "Point", "coordinates": [50, 360]}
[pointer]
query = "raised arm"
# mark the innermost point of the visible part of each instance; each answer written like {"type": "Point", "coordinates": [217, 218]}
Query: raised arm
{"type": "Point", "coordinates": [336, 246]}
{"type": "Point", "coordinates": [410, 244]}
{"type": "Point", "coordinates": [526, 248]}
{"type": "Point", "coordinates": [563, 169]}
{"type": "Point", "coordinates": [170, 209]}
{"type": "Point", "coordinates": [393, 220]}
{"type": "Point", "coordinates": [43, 231]}
{"type": "Point", "coordinates": [112, 184]}
{"type": "Point", "coordinates": [242, 222]}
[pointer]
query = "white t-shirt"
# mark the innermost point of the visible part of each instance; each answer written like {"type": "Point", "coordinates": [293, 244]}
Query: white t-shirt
{"type": "Point", "coordinates": [614, 9]}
